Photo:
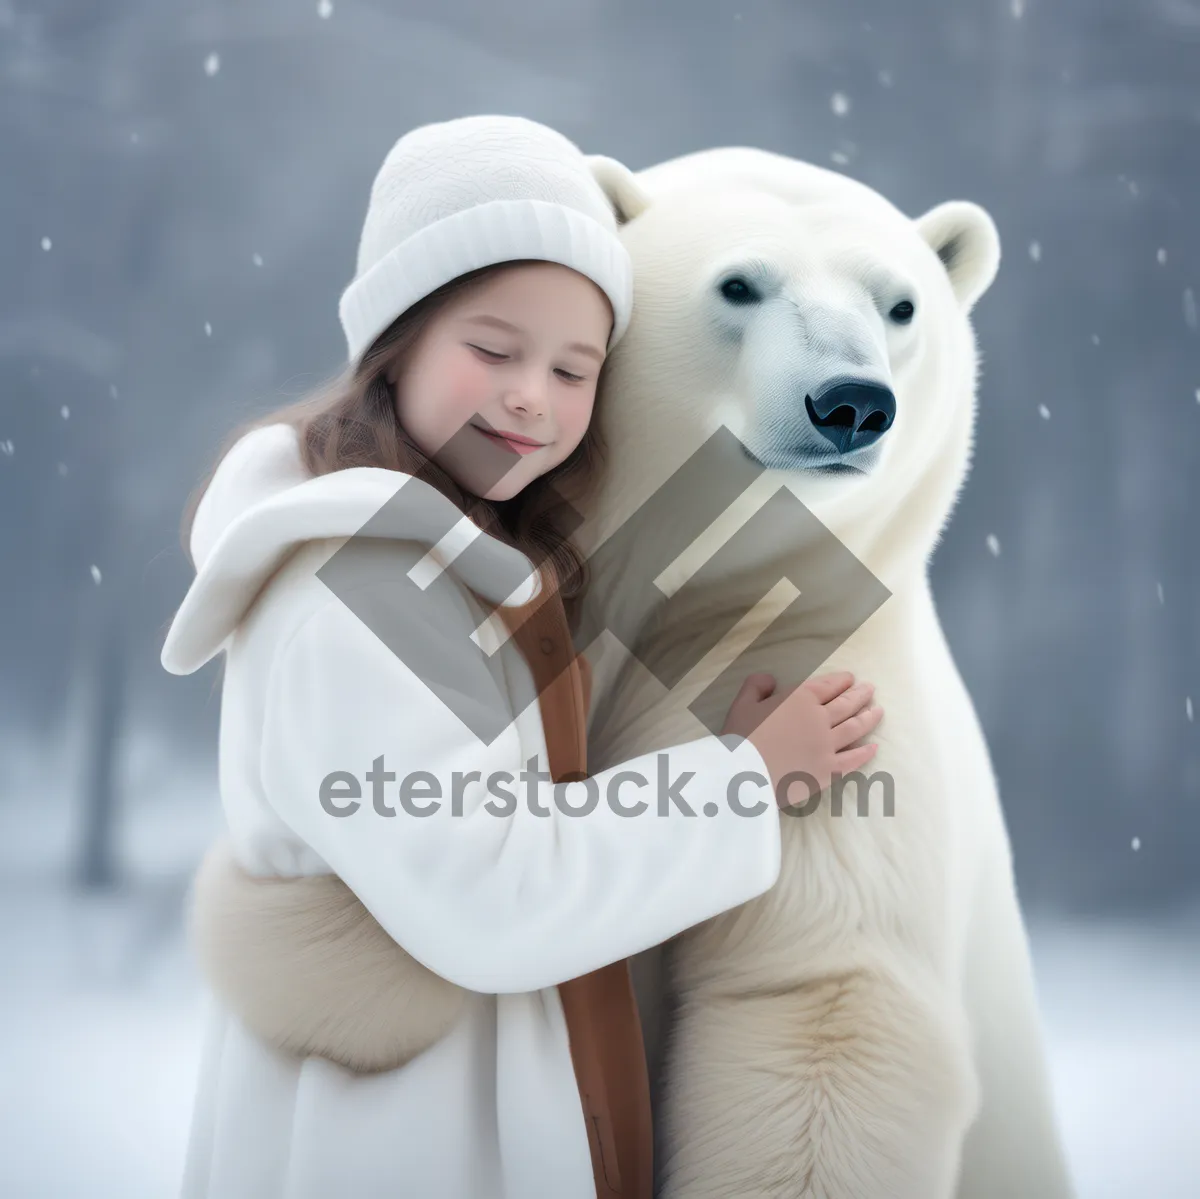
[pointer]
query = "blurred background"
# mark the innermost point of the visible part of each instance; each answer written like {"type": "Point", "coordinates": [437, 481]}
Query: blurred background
{"type": "Point", "coordinates": [182, 190]}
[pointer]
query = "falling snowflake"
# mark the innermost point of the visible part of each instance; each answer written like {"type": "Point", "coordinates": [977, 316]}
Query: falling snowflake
{"type": "Point", "coordinates": [1133, 188]}
{"type": "Point", "coordinates": [1189, 308]}
{"type": "Point", "coordinates": [1043, 412]}
{"type": "Point", "coordinates": [1095, 339]}
{"type": "Point", "coordinates": [66, 412]}
{"type": "Point", "coordinates": [96, 574]}
{"type": "Point", "coordinates": [62, 469]}
{"type": "Point", "coordinates": [212, 64]}
{"type": "Point", "coordinates": [1136, 844]}
{"type": "Point", "coordinates": [1035, 251]}
{"type": "Point", "coordinates": [6, 447]}
{"type": "Point", "coordinates": [993, 544]}
{"type": "Point", "coordinates": [1162, 257]}
{"type": "Point", "coordinates": [112, 390]}
{"type": "Point", "coordinates": [135, 138]}
{"type": "Point", "coordinates": [840, 103]}
{"type": "Point", "coordinates": [257, 260]}
{"type": "Point", "coordinates": [207, 329]}
{"type": "Point", "coordinates": [1159, 588]}
{"type": "Point", "coordinates": [46, 243]}
{"type": "Point", "coordinates": [1198, 395]}
{"type": "Point", "coordinates": [885, 78]}
{"type": "Point", "coordinates": [840, 159]}
{"type": "Point", "coordinates": [325, 9]}
{"type": "Point", "coordinates": [1018, 9]}
{"type": "Point", "coordinates": [1187, 707]}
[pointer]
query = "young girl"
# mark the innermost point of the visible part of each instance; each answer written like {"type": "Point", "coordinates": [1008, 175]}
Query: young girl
{"type": "Point", "coordinates": [491, 285]}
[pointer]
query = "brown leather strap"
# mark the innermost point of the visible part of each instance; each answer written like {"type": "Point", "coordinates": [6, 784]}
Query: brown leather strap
{"type": "Point", "coordinates": [601, 1011]}
{"type": "Point", "coordinates": [610, 1068]}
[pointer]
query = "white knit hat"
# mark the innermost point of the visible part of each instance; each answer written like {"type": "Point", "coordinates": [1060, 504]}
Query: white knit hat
{"type": "Point", "coordinates": [459, 195]}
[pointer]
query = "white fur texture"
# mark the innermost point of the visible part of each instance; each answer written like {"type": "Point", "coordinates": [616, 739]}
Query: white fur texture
{"type": "Point", "coordinates": [868, 1029]}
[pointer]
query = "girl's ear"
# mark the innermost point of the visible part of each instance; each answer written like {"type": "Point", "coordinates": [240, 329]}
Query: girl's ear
{"type": "Point", "coordinates": [964, 237]}
{"type": "Point", "coordinates": [624, 193]}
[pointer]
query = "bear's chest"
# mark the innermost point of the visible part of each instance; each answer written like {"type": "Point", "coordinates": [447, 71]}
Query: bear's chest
{"type": "Point", "coordinates": [886, 857]}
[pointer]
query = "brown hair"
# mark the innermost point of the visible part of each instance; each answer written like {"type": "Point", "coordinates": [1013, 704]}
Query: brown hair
{"type": "Point", "coordinates": [352, 421]}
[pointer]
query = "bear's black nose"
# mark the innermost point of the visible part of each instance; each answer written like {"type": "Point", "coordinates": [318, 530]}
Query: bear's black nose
{"type": "Point", "coordinates": [852, 415]}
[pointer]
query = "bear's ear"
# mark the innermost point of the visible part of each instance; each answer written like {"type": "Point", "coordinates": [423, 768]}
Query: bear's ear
{"type": "Point", "coordinates": [626, 195]}
{"type": "Point", "coordinates": [964, 237]}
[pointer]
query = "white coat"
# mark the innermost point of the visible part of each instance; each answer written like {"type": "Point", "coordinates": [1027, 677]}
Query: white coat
{"type": "Point", "coordinates": [506, 906]}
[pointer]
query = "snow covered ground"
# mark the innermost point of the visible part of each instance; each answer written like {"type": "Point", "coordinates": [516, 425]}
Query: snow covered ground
{"type": "Point", "coordinates": [1122, 1011]}
{"type": "Point", "coordinates": [100, 1020]}
{"type": "Point", "coordinates": [101, 1013]}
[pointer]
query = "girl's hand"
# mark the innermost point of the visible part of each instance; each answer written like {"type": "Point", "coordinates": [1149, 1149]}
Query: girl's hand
{"type": "Point", "coordinates": [808, 727]}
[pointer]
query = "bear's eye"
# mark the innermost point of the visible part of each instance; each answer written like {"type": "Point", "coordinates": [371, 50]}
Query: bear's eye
{"type": "Point", "coordinates": [903, 312]}
{"type": "Point", "coordinates": [738, 291]}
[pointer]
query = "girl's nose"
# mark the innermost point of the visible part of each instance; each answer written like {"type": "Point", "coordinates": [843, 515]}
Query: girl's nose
{"type": "Point", "coordinates": [528, 399]}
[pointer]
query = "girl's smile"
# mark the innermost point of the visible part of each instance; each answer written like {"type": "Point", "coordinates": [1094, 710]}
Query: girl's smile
{"type": "Point", "coordinates": [512, 441]}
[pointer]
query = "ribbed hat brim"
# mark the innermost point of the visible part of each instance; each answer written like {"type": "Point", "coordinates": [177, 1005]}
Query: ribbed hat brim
{"type": "Point", "coordinates": [485, 235]}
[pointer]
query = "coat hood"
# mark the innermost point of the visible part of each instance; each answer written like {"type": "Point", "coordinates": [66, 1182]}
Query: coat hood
{"type": "Point", "coordinates": [262, 505]}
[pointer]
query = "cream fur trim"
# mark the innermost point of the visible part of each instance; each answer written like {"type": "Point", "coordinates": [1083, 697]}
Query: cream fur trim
{"type": "Point", "coordinates": [305, 966]}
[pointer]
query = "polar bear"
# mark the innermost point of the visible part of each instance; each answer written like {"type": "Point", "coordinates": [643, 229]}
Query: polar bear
{"type": "Point", "coordinates": [869, 1027]}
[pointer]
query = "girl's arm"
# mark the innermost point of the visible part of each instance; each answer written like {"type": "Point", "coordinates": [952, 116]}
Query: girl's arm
{"type": "Point", "coordinates": [499, 903]}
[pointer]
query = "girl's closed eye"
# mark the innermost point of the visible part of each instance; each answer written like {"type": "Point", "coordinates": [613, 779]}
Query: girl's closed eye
{"type": "Point", "coordinates": [492, 354]}
{"type": "Point", "coordinates": [496, 356]}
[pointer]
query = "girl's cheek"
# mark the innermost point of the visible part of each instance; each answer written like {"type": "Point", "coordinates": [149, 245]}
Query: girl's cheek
{"type": "Point", "coordinates": [470, 374]}
{"type": "Point", "coordinates": [581, 418]}
{"type": "Point", "coordinates": [569, 437]}
{"type": "Point", "coordinates": [469, 384]}
{"type": "Point", "coordinates": [457, 371]}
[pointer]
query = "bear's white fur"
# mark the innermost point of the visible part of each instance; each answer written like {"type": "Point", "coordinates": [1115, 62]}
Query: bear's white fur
{"type": "Point", "coordinates": [868, 1029]}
